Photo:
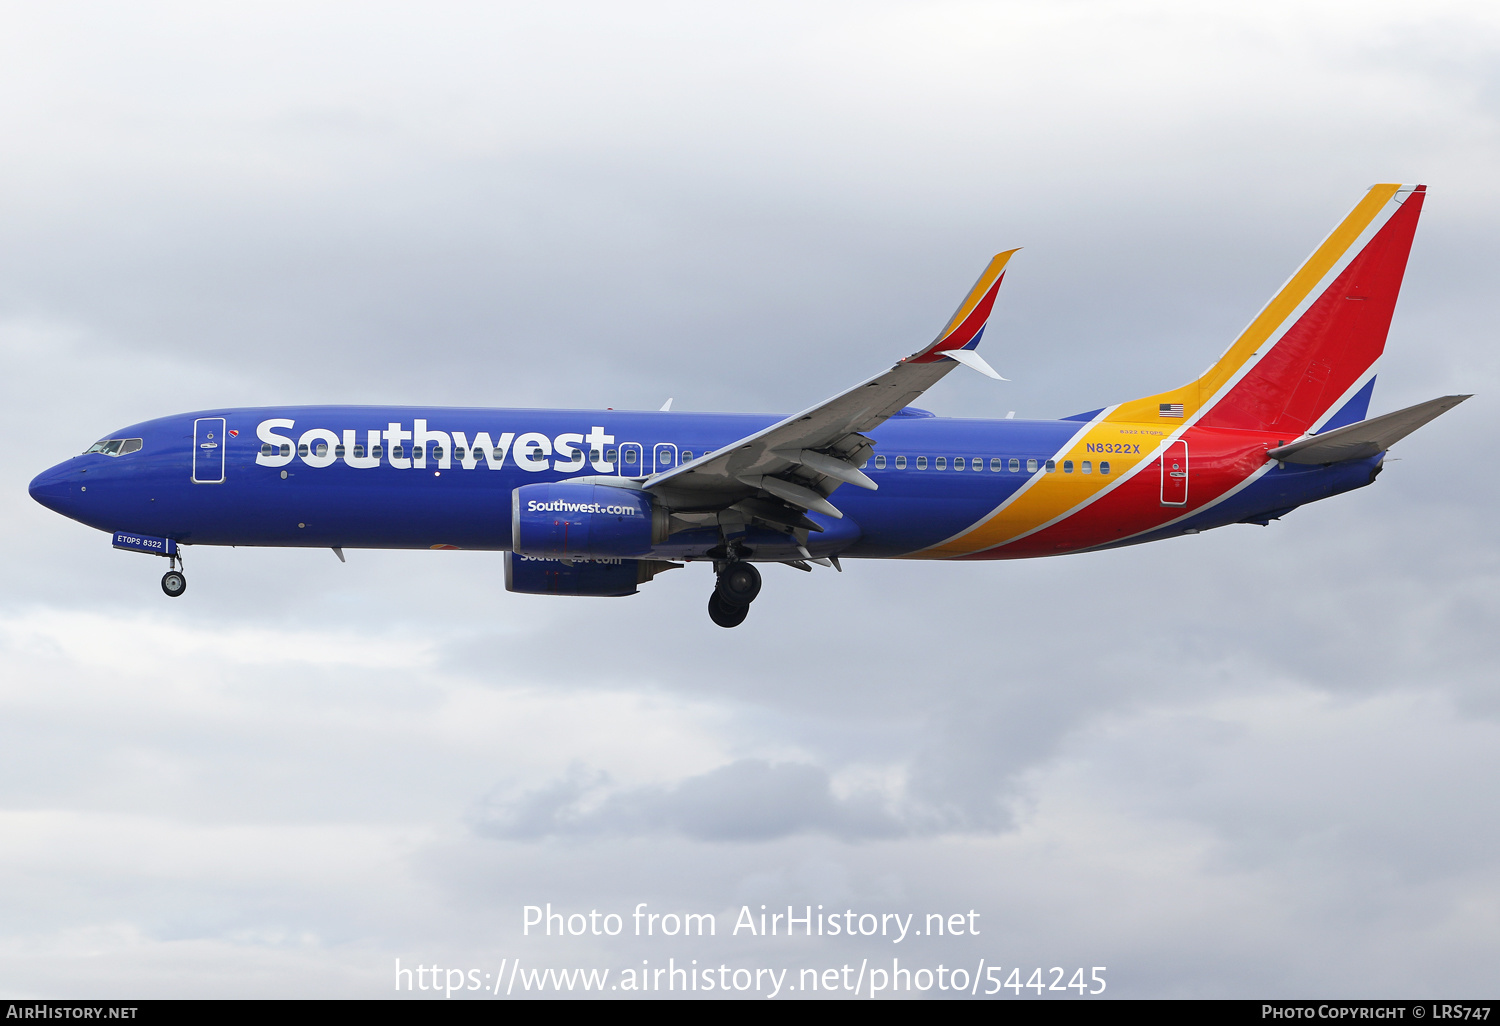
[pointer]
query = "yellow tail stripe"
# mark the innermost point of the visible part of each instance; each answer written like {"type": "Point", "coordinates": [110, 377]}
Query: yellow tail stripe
{"type": "Point", "coordinates": [1194, 395]}
{"type": "Point", "coordinates": [1137, 421]}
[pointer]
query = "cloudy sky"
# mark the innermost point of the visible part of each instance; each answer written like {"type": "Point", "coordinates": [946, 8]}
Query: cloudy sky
{"type": "Point", "coordinates": [1257, 762]}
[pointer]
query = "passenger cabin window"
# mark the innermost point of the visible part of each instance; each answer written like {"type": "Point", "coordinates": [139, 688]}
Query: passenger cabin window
{"type": "Point", "coordinates": [958, 463]}
{"type": "Point", "coordinates": [377, 451]}
{"type": "Point", "coordinates": [1015, 464]}
{"type": "Point", "coordinates": [265, 448]}
{"type": "Point", "coordinates": [609, 455]}
{"type": "Point", "coordinates": [942, 463]}
{"type": "Point", "coordinates": [900, 462]}
{"type": "Point", "coordinates": [322, 449]}
{"type": "Point", "coordinates": [687, 455]}
{"type": "Point", "coordinates": [286, 450]}
{"type": "Point", "coordinates": [921, 462]}
{"type": "Point", "coordinates": [359, 452]}
{"type": "Point", "coordinates": [302, 449]}
{"type": "Point", "coordinates": [879, 462]}
{"type": "Point", "coordinates": [1031, 466]}
{"type": "Point", "coordinates": [997, 464]}
{"type": "Point", "coordinates": [1104, 466]}
{"type": "Point", "coordinates": [1088, 467]}
{"type": "Point", "coordinates": [1051, 466]}
{"type": "Point", "coordinates": [338, 450]}
{"type": "Point", "coordinates": [629, 455]}
{"type": "Point", "coordinates": [1067, 466]}
{"type": "Point", "coordinates": [398, 452]}
{"type": "Point", "coordinates": [459, 452]}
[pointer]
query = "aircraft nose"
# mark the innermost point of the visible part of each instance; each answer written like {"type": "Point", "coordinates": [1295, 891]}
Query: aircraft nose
{"type": "Point", "coordinates": [56, 489]}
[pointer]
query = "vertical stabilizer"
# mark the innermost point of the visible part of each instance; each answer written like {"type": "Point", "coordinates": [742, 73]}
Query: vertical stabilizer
{"type": "Point", "coordinates": [1313, 348]}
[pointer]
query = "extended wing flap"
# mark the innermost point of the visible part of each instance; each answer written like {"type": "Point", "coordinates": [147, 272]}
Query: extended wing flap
{"type": "Point", "coordinates": [1367, 438]}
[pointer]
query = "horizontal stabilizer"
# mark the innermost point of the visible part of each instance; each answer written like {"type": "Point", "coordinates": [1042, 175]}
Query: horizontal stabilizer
{"type": "Point", "coordinates": [1368, 437]}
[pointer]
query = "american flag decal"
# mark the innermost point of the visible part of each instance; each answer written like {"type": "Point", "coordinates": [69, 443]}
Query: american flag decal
{"type": "Point", "coordinates": [1171, 409]}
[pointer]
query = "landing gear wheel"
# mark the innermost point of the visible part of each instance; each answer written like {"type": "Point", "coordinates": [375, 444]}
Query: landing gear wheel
{"type": "Point", "coordinates": [173, 583]}
{"type": "Point", "coordinates": [738, 584]}
{"type": "Point", "coordinates": [726, 614]}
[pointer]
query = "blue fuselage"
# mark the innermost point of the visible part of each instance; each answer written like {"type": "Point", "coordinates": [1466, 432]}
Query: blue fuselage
{"type": "Point", "coordinates": [239, 488]}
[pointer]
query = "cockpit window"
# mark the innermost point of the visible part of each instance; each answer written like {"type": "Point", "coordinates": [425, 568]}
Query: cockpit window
{"type": "Point", "coordinates": [114, 446]}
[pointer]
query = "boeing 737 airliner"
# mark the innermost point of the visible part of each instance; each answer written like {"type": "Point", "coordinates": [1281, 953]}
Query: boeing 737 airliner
{"type": "Point", "coordinates": [585, 502]}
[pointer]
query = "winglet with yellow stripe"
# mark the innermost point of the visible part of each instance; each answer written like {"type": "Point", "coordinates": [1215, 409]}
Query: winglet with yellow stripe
{"type": "Point", "coordinates": [964, 329]}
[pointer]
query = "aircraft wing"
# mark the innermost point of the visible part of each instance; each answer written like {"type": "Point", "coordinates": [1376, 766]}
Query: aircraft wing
{"type": "Point", "coordinates": [802, 459]}
{"type": "Point", "coordinates": [1367, 438]}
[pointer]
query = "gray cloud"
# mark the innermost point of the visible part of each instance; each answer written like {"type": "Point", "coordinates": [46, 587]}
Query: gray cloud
{"type": "Point", "coordinates": [746, 800]}
{"type": "Point", "coordinates": [1247, 763]}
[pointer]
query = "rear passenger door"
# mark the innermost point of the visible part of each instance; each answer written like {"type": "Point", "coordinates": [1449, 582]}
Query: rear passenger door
{"type": "Point", "coordinates": [1174, 474]}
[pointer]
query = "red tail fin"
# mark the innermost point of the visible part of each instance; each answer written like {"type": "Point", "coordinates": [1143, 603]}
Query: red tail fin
{"type": "Point", "coordinates": [1318, 339]}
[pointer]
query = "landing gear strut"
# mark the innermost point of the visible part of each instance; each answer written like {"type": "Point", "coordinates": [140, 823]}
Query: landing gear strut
{"type": "Point", "coordinates": [173, 582]}
{"type": "Point", "coordinates": [736, 588]}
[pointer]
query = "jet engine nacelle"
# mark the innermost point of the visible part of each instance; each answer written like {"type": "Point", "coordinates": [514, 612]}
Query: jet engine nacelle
{"type": "Point", "coordinates": [568, 519]}
{"type": "Point", "coordinates": [604, 578]}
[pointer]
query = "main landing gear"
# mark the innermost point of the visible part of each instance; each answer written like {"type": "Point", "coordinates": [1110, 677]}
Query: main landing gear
{"type": "Point", "coordinates": [736, 588]}
{"type": "Point", "coordinates": [173, 582]}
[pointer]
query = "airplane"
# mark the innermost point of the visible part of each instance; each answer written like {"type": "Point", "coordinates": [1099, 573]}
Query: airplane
{"type": "Point", "coordinates": [596, 503]}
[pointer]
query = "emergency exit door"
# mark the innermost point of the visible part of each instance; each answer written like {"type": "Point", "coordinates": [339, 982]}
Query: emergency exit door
{"type": "Point", "coordinates": [663, 457]}
{"type": "Point", "coordinates": [1174, 474]}
{"type": "Point", "coordinates": [631, 461]}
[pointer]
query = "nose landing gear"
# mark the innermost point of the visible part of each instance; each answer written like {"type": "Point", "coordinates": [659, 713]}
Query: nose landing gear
{"type": "Point", "coordinates": [174, 582]}
{"type": "Point", "coordinates": [736, 588]}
